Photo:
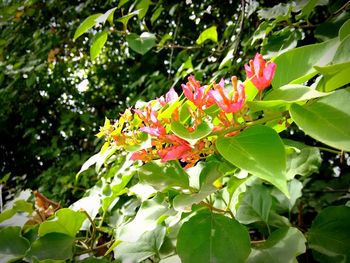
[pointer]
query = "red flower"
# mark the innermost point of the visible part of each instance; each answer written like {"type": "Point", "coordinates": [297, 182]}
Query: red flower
{"type": "Point", "coordinates": [260, 72]}
{"type": "Point", "coordinates": [173, 152]}
{"type": "Point", "coordinates": [224, 101]}
{"type": "Point", "coordinates": [197, 94]}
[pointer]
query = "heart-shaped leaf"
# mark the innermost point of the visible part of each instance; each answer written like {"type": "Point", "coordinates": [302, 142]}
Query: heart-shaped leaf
{"type": "Point", "coordinates": [141, 44]}
{"type": "Point", "coordinates": [208, 237]}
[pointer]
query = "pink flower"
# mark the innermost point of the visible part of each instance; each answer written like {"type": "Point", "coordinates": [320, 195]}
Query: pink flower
{"type": "Point", "coordinates": [153, 126]}
{"type": "Point", "coordinates": [260, 72]}
{"type": "Point", "coordinates": [170, 96]}
{"type": "Point", "coordinates": [197, 94]}
{"type": "Point", "coordinates": [142, 155]}
{"type": "Point", "coordinates": [224, 101]}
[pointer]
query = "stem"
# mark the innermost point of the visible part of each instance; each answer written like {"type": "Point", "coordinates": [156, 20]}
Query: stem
{"type": "Point", "coordinates": [95, 248]}
{"type": "Point", "coordinates": [328, 150]}
{"type": "Point", "coordinates": [247, 124]}
{"type": "Point", "coordinates": [94, 229]}
{"type": "Point", "coordinates": [217, 209]}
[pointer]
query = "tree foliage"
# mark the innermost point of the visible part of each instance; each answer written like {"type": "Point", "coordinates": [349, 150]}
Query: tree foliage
{"type": "Point", "coordinates": [185, 176]}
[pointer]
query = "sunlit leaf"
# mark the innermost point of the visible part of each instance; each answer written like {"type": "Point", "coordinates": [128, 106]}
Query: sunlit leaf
{"type": "Point", "coordinates": [208, 34]}
{"type": "Point", "coordinates": [86, 25]}
{"type": "Point", "coordinates": [97, 44]}
{"type": "Point", "coordinates": [201, 131]}
{"type": "Point", "coordinates": [145, 220]}
{"type": "Point", "coordinates": [147, 246]}
{"type": "Point", "coordinates": [125, 19]}
{"type": "Point", "coordinates": [106, 16]}
{"type": "Point", "coordinates": [66, 221]}
{"type": "Point", "coordinates": [326, 120]}
{"type": "Point", "coordinates": [258, 150]}
{"type": "Point", "coordinates": [296, 65]}
{"type": "Point", "coordinates": [163, 175]}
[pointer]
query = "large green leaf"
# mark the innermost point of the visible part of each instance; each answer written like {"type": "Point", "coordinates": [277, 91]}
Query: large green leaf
{"type": "Point", "coordinates": [208, 237]}
{"type": "Point", "coordinates": [147, 246]}
{"type": "Point", "coordinates": [255, 205]}
{"type": "Point", "coordinates": [329, 235]}
{"type": "Point", "coordinates": [208, 34]}
{"type": "Point", "coordinates": [283, 246]}
{"type": "Point", "coordinates": [326, 120]}
{"type": "Point", "coordinates": [12, 245]}
{"type": "Point", "coordinates": [202, 130]}
{"type": "Point", "coordinates": [296, 65]}
{"type": "Point", "coordinates": [335, 74]}
{"type": "Point", "coordinates": [54, 246]}
{"type": "Point", "coordinates": [301, 159]}
{"type": "Point", "coordinates": [97, 44]}
{"type": "Point", "coordinates": [344, 31]}
{"type": "Point", "coordinates": [280, 99]}
{"type": "Point", "coordinates": [66, 221]}
{"type": "Point", "coordinates": [146, 219]}
{"type": "Point", "coordinates": [88, 23]}
{"type": "Point", "coordinates": [258, 150]}
{"type": "Point", "coordinates": [141, 44]}
{"type": "Point", "coordinates": [163, 175]}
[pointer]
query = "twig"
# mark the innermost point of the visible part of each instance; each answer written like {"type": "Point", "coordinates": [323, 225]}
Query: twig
{"type": "Point", "coordinates": [217, 209]}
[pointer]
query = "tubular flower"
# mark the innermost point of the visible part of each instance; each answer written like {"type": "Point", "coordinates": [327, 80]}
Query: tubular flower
{"type": "Point", "coordinates": [260, 72]}
{"type": "Point", "coordinates": [224, 101]}
{"type": "Point", "coordinates": [177, 151]}
{"type": "Point", "coordinates": [197, 94]}
{"type": "Point", "coordinates": [153, 126]}
{"type": "Point", "coordinates": [170, 96]}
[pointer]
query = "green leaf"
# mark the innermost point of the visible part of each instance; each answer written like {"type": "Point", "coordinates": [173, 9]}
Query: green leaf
{"type": "Point", "coordinates": [203, 130]}
{"type": "Point", "coordinates": [141, 44]}
{"type": "Point", "coordinates": [54, 246]}
{"type": "Point", "coordinates": [156, 14]}
{"type": "Point", "coordinates": [143, 6]}
{"type": "Point", "coordinates": [283, 246]}
{"type": "Point", "coordinates": [66, 221]}
{"type": "Point", "coordinates": [147, 246]}
{"type": "Point", "coordinates": [258, 150]}
{"type": "Point", "coordinates": [335, 74]}
{"type": "Point", "coordinates": [163, 175]}
{"type": "Point", "coordinates": [106, 16]}
{"type": "Point", "coordinates": [255, 205]}
{"type": "Point", "coordinates": [208, 34]}
{"type": "Point", "coordinates": [278, 12]}
{"type": "Point", "coordinates": [12, 245]}
{"type": "Point", "coordinates": [208, 237]}
{"type": "Point", "coordinates": [302, 159]}
{"type": "Point", "coordinates": [327, 120]}
{"type": "Point", "coordinates": [97, 44]}
{"type": "Point", "coordinates": [344, 31]}
{"type": "Point", "coordinates": [281, 98]}
{"type": "Point", "coordinates": [329, 235]}
{"type": "Point", "coordinates": [86, 25]}
{"type": "Point", "coordinates": [125, 19]}
{"type": "Point", "coordinates": [296, 65]}
{"type": "Point", "coordinates": [146, 219]}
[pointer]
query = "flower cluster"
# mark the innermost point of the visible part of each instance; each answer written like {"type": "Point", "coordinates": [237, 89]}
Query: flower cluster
{"type": "Point", "coordinates": [185, 127]}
